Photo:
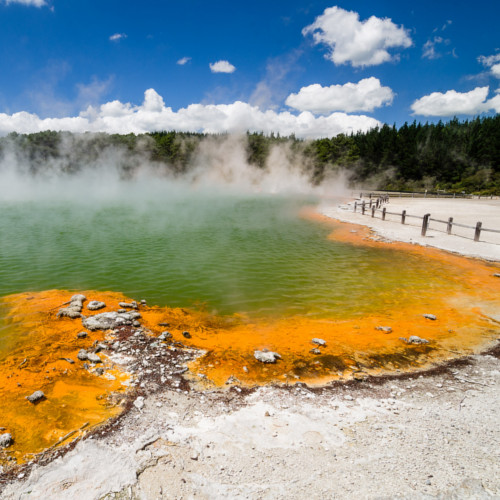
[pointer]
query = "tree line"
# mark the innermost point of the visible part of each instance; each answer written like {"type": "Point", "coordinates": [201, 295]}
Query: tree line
{"type": "Point", "coordinates": [455, 156]}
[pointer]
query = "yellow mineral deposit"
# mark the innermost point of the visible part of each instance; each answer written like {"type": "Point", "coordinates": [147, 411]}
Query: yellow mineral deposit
{"type": "Point", "coordinates": [40, 344]}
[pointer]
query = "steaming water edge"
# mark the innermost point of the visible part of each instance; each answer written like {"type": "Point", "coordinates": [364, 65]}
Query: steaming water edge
{"type": "Point", "coordinates": [249, 254]}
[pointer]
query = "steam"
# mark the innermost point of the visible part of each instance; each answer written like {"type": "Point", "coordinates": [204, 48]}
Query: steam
{"type": "Point", "coordinates": [218, 164]}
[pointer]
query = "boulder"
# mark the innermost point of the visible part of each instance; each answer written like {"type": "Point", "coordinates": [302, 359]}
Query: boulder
{"type": "Point", "coordinates": [385, 329]}
{"type": "Point", "coordinates": [106, 321]}
{"type": "Point", "coordinates": [82, 355]}
{"type": "Point", "coordinates": [320, 342]}
{"type": "Point", "coordinates": [266, 356]}
{"type": "Point", "coordinates": [128, 305]}
{"type": "Point", "coordinates": [94, 358]}
{"type": "Point", "coordinates": [5, 440]}
{"type": "Point", "coordinates": [417, 340]}
{"type": "Point", "coordinates": [36, 397]}
{"type": "Point", "coordinates": [95, 305]}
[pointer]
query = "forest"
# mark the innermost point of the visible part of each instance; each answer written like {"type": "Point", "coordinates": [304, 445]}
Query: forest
{"type": "Point", "coordinates": [457, 156]}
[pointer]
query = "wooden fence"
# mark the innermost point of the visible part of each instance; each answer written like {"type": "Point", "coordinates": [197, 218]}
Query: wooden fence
{"type": "Point", "coordinates": [374, 205]}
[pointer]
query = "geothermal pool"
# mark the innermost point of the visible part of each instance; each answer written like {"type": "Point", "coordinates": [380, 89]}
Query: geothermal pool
{"type": "Point", "coordinates": [240, 271]}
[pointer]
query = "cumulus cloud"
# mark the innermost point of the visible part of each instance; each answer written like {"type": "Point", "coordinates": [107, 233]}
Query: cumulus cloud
{"type": "Point", "coordinates": [492, 62]}
{"type": "Point", "coordinates": [28, 3]}
{"type": "Point", "coordinates": [117, 37]}
{"type": "Point", "coordinates": [360, 43]}
{"type": "Point", "coordinates": [456, 103]}
{"type": "Point", "coordinates": [366, 95]}
{"type": "Point", "coordinates": [183, 60]}
{"type": "Point", "coordinates": [222, 67]}
{"type": "Point", "coordinates": [153, 115]}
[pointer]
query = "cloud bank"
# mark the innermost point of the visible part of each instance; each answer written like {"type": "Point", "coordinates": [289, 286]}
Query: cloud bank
{"type": "Point", "coordinates": [153, 115]}
{"type": "Point", "coordinates": [453, 103]}
{"type": "Point", "coordinates": [366, 95]}
{"type": "Point", "coordinates": [360, 43]}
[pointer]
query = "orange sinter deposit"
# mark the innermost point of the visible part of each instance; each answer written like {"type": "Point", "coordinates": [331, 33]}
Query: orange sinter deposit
{"type": "Point", "coordinates": [39, 353]}
{"type": "Point", "coordinates": [37, 344]}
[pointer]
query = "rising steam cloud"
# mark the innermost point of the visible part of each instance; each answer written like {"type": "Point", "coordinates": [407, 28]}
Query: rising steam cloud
{"type": "Point", "coordinates": [218, 164]}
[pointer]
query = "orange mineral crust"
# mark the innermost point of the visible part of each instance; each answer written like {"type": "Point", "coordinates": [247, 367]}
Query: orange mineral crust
{"type": "Point", "coordinates": [37, 344]}
{"type": "Point", "coordinates": [37, 350]}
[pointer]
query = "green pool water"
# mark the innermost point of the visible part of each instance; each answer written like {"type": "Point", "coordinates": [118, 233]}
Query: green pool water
{"type": "Point", "coordinates": [179, 246]}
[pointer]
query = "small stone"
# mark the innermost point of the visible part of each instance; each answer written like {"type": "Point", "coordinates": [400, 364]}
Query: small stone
{"type": "Point", "coordinates": [348, 397]}
{"type": "Point", "coordinates": [136, 324]}
{"type": "Point", "coordinates": [94, 305]}
{"type": "Point", "coordinates": [69, 360]}
{"type": "Point", "coordinates": [164, 336]}
{"type": "Point", "coordinates": [385, 329]}
{"type": "Point", "coordinates": [99, 371]}
{"type": "Point", "coordinates": [320, 342]}
{"type": "Point", "coordinates": [245, 369]}
{"type": "Point", "coordinates": [143, 302]}
{"type": "Point", "coordinates": [128, 305]}
{"type": "Point", "coordinates": [497, 275]}
{"type": "Point", "coordinates": [121, 311]}
{"type": "Point", "coordinates": [232, 380]}
{"type": "Point", "coordinates": [359, 376]}
{"type": "Point", "coordinates": [6, 440]}
{"type": "Point", "coordinates": [430, 316]}
{"type": "Point", "coordinates": [139, 403]}
{"type": "Point", "coordinates": [315, 351]}
{"type": "Point", "coordinates": [266, 356]}
{"type": "Point", "coordinates": [36, 397]}
{"type": "Point", "coordinates": [417, 340]}
{"type": "Point", "coordinates": [186, 335]}
{"type": "Point", "coordinates": [93, 358]}
{"type": "Point", "coordinates": [82, 335]}
{"type": "Point", "coordinates": [100, 347]}
{"type": "Point", "coordinates": [82, 355]}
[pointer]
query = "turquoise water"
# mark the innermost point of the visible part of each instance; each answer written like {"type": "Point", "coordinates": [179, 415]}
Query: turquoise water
{"type": "Point", "coordinates": [183, 247]}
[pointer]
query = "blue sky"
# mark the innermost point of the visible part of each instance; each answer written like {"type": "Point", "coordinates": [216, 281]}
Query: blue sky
{"type": "Point", "coordinates": [314, 68]}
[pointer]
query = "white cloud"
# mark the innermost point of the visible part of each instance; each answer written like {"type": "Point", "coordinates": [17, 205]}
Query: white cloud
{"type": "Point", "coordinates": [456, 103]}
{"type": "Point", "coordinates": [366, 95]}
{"type": "Point", "coordinates": [222, 67]}
{"type": "Point", "coordinates": [429, 48]}
{"type": "Point", "coordinates": [117, 37]}
{"type": "Point", "coordinates": [152, 115]}
{"type": "Point", "coordinates": [360, 43]}
{"type": "Point", "coordinates": [29, 3]}
{"type": "Point", "coordinates": [183, 60]}
{"type": "Point", "coordinates": [492, 62]}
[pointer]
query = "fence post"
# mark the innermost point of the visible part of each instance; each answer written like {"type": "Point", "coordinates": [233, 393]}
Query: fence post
{"type": "Point", "coordinates": [371, 201]}
{"type": "Point", "coordinates": [403, 216]}
{"type": "Point", "coordinates": [373, 211]}
{"type": "Point", "coordinates": [383, 213]}
{"type": "Point", "coordinates": [355, 206]}
{"type": "Point", "coordinates": [363, 208]}
{"type": "Point", "coordinates": [425, 224]}
{"type": "Point", "coordinates": [450, 224]}
{"type": "Point", "coordinates": [478, 231]}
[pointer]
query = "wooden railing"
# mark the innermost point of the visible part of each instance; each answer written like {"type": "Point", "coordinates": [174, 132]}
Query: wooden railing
{"type": "Point", "coordinates": [374, 205]}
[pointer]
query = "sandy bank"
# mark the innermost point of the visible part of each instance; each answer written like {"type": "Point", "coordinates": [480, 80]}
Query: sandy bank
{"type": "Point", "coordinates": [463, 211]}
{"type": "Point", "coordinates": [420, 437]}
